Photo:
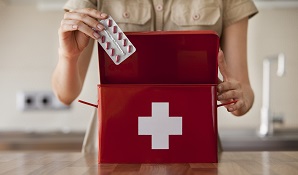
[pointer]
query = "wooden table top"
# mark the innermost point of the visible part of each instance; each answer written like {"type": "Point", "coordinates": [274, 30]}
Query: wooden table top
{"type": "Point", "coordinates": [74, 163]}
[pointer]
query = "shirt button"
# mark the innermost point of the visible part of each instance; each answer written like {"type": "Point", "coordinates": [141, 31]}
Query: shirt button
{"type": "Point", "coordinates": [159, 7]}
{"type": "Point", "coordinates": [125, 15]}
{"type": "Point", "coordinates": [196, 17]}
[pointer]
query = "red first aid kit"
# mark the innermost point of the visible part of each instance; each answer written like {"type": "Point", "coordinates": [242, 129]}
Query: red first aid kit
{"type": "Point", "coordinates": [160, 104]}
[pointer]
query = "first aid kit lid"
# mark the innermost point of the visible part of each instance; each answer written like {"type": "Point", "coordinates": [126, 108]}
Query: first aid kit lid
{"type": "Point", "coordinates": [165, 57]}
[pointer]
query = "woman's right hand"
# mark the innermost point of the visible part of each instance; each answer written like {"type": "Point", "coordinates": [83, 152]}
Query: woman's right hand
{"type": "Point", "coordinates": [76, 29]}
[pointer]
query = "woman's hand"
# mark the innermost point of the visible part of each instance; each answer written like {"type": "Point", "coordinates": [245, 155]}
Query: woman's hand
{"type": "Point", "coordinates": [231, 89]}
{"type": "Point", "coordinates": [76, 29]}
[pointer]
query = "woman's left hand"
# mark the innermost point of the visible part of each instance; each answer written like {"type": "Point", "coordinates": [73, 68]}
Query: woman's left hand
{"type": "Point", "coordinates": [231, 89]}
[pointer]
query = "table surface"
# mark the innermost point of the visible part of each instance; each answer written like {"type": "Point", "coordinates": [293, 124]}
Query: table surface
{"type": "Point", "coordinates": [74, 163]}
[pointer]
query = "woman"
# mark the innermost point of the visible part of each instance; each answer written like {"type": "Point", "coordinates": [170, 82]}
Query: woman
{"type": "Point", "coordinates": [229, 18]}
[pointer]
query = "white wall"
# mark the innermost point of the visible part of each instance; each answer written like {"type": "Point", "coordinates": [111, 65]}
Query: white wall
{"type": "Point", "coordinates": [28, 54]}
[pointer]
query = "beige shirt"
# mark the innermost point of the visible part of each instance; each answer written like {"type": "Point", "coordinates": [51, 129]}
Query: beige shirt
{"type": "Point", "coordinates": [154, 15]}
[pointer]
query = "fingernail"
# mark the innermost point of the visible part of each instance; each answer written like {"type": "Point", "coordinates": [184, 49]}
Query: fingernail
{"type": "Point", "coordinates": [99, 27]}
{"type": "Point", "coordinates": [219, 97]}
{"type": "Point", "coordinates": [231, 109]}
{"type": "Point", "coordinates": [219, 87]}
{"type": "Point", "coordinates": [96, 35]}
{"type": "Point", "coordinates": [103, 15]}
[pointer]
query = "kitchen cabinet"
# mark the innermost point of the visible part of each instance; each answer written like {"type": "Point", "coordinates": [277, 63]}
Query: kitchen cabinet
{"type": "Point", "coordinates": [47, 141]}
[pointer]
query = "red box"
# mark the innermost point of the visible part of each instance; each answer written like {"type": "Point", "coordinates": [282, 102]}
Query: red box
{"type": "Point", "coordinates": [159, 105]}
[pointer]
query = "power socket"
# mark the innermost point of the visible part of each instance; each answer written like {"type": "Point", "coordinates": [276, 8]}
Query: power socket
{"type": "Point", "coordinates": [38, 100]}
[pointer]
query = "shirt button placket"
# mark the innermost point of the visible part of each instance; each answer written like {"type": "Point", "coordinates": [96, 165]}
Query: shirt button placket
{"type": "Point", "coordinates": [159, 14]}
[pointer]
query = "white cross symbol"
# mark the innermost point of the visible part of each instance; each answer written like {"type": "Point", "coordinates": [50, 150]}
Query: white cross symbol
{"type": "Point", "coordinates": [160, 126]}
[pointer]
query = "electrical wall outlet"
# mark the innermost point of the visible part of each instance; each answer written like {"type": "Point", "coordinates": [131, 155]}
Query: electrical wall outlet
{"type": "Point", "coordinates": [38, 100]}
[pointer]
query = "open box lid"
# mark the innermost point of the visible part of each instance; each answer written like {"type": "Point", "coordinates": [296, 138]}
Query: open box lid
{"type": "Point", "coordinates": [166, 57]}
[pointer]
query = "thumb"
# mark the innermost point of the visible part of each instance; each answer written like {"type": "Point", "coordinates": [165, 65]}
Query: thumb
{"type": "Point", "coordinates": [222, 65]}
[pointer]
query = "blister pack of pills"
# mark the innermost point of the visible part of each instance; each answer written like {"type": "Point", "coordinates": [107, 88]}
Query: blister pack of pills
{"type": "Point", "coordinates": [114, 41]}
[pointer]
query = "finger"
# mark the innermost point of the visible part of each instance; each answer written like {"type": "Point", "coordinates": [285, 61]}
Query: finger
{"type": "Point", "coordinates": [67, 27]}
{"type": "Point", "coordinates": [92, 12]}
{"type": "Point", "coordinates": [227, 86]}
{"type": "Point", "coordinates": [72, 25]}
{"type": "Point", "coordinates": [236, 106]}
{"type": "Point", "coordinates": [222, 65]}
{"type": "Point", "coordinates": [90, 21]}
{"type": "Point", "coordinates": [229, 95]}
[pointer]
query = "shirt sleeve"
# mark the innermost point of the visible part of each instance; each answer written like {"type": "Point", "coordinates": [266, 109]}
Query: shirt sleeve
{"type": "Point", "coordinates": [78, 4]}
{"type": "Point", "coordinates": [235, 10]}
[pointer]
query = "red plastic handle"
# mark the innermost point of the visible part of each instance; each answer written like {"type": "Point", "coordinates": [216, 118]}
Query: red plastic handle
{"type": "Point", "coordinates": [86, 103]}
{"type": "Point", "coordinates": [223, 104]}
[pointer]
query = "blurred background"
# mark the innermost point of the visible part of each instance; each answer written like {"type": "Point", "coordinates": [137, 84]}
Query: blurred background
{"type": "Point", "coordinates": [32, 119]}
